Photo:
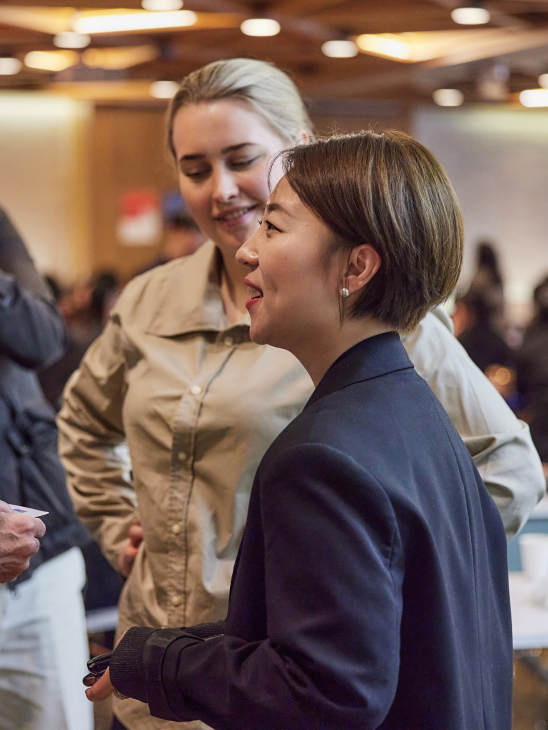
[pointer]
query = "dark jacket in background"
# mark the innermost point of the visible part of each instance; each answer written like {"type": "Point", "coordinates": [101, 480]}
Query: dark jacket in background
{"type": "Point", "coordinates": [371, 587]}
{"type": "Point", "coordinates": [31, 335]}
{"type": "Point", "coordinates": [532, 382]}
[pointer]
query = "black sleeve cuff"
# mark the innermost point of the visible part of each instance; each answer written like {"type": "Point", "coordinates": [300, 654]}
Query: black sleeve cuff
{"type": "Point", "coordinates": [127, 669]}
{"type": "Point", "coordinates": [137, 664]}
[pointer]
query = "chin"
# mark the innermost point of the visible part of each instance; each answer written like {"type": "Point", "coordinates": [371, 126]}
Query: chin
{"type": "Point", "coordinates": [257, 336]}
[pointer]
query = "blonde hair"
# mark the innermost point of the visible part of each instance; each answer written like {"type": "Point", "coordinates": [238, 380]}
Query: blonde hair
{"type": "Point", "coordinates": [269, 91]}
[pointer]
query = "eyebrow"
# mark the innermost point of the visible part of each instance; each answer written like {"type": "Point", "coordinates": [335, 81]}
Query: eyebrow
{"type": "Point", "coordinates": [271, 207]}
{"type": "Point", "coordinates": [225, 151]}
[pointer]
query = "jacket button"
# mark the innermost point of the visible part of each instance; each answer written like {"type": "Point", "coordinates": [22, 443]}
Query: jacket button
{"type": "Point", "coordinates": [176, 600]}
{"type": "Point", "coordinates": [195, 390]}
{"type": "Point", "coordinates": [181, 456]}
{"type": "Point", "coordinates": [228, 341]}
{"type": "Point", "coordinates": [176, 528]}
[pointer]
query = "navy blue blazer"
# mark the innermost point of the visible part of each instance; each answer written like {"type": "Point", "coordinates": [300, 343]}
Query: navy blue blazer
{"type": "Point", "coordinates": [371, 586]}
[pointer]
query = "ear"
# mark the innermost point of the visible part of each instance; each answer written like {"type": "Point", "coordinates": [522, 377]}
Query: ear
{"type": "Point", "coordinates": [363, 264]}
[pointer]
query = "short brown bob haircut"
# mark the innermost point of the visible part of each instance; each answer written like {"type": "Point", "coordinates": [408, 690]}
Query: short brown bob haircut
{"type": "Point", "coordinates": [387, 190]}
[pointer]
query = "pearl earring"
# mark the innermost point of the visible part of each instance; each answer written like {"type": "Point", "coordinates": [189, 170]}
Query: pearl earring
{"type": "Point", "coordinates": [344, 292]}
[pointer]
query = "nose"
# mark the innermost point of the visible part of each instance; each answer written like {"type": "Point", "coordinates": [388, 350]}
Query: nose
{"type": "Point", "coordinates": [247, 254]}
{"type": "Point", "coordinates": [225, 186]}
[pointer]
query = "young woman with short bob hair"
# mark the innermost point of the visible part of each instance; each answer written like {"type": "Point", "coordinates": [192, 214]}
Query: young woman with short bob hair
{"type": "Point", "coordinates": [371, 585]}
{"type": "Point", "coordinates": [176, 376]}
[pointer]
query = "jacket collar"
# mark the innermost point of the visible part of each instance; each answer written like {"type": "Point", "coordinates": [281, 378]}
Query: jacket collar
{"type": "Point", "coordinates": [369, 359]}
{"type": "Point", "coordinates": [192, 301]}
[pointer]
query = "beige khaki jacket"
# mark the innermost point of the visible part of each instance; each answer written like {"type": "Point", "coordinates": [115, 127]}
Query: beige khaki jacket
{"type": "Point", "coordinates": [198, 404]}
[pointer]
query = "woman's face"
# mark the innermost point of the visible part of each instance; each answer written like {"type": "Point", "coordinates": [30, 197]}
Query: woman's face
{"type": "Point", "coordinates": [223, 150]}
{"type": "Point", "coordinates": [294, 292]}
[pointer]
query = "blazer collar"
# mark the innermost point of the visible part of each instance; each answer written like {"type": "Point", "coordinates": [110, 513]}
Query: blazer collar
{"type": "Point", "coordinates": [369, 359]}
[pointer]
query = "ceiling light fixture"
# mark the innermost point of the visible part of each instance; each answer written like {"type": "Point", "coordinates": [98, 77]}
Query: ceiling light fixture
{"type": "Point", "coordinates": [70, 39]}
{"type": "Point", "coordinates": [163, 89]}
{"type": "Point", "coordinates": [471, 15]}
{"type": "Point", "coordinates": [138, 20]}
{"type": "Point", "coordinates": [9, 66]}
{"type": "Point", "coordinates": [51, 60]}
{"type": "Point", "coordinates": [385, 45]}
{"type": "Point", "coordinates": [340, 49]}
{"type": "Point", "coordinates": [162, 5]}
{"type": "Point", "coordinates": [534, 97]}
{"type": "Point", "coordinates": [260, 27]}
{"type": "Point", "coordinates": [543, 81]}
{"type": "Point", "coordinates": [448, 97]}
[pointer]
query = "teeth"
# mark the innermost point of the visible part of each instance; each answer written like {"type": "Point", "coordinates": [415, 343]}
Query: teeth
{"type": "Point", "coordinates": [234, 214]}
{"type": "Point", "coordinates": [255, 293]}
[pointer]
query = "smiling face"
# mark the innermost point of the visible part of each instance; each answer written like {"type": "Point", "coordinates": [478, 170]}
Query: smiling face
{"type": "Point", "coordinates": [223, 150]}
{"type": "Point", "coordinates": [294, 293]}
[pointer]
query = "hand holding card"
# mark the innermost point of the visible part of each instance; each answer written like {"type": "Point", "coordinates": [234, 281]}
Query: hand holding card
{"type": "Point", "coordinates": [19, 533]}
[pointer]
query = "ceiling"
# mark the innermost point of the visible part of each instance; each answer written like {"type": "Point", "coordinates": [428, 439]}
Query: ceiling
{"type": "Point", "coordinates": [492, 62]}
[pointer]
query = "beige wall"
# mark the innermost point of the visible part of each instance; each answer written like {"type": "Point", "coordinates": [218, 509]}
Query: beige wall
{"type": "Point", "coordinates": [43, 178]}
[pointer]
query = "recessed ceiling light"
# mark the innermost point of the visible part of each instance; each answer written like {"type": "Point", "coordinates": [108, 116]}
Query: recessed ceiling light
{"type": "Point", "coordinates": [474, 15]}
{"type": "Point", "coordinates": [163, 89]}
{"type": "Point", "coordinates": [340, 49]}
{"type": "Point", "coordinates": [162, 5]}
{"type": "Point", "coordinates": [51, 60]}
{"type": "Point", "coordinates": [9, 66]}
{"type": "Point", "coordinates": [260, 27]}
{"type": "Point", "coordinates": [70, 39]}
{"type": "Point", "coordinates": [448, 97]}
{"type": "Point", "coordinates": [534, 97]}
{"type": "Point", "coordinates": [543, 81]}
{"type": "Point", "coordinates": [120, 21]}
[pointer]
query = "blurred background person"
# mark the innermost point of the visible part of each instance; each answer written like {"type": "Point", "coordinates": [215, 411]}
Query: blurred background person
{"type": "Point", "coordinates": [43, 640]}
{"type": "Point", "coordinates": [532, 371]}
{"type": "Point", "coordinates": [480, 337]}
{"type": "Point", "coordinates": [85, 308]}
{"type": "Point", "coordinates": [182, 235]}
{"type": "Point", "coordinates": [487, 283]}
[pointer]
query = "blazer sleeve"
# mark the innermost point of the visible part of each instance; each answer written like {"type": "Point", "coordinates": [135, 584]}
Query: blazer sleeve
{"type": "Point", "coordinates": [333, 574]}
{"type": "Point", "coordinates": [92, 442]}
{"type": "Point", "coordinates": [499, 443]}
{"type": "Point", "coordinates": [32, 332]}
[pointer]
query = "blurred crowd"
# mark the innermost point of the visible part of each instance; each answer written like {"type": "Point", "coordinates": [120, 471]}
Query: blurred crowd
{"type": "Point", "coordinates": [514, 360]}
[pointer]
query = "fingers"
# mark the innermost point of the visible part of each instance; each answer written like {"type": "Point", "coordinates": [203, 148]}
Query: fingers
{"type": "Point", "coordinates": [136, 535]}
{"type": "Point", "coordinates": [101, 689]}
{"type": "Point", "coordinates": [39, 528]}
{"type": "Point", "coordinates": [18, 542]}
{"type": "Point", "coordinates": [4, 507]}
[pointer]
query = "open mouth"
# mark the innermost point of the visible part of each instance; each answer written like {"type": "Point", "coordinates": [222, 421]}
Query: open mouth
{"type": "Point", "coordinates": [254, 292]}
{"type": "Point", "coordinates": [234, 214]}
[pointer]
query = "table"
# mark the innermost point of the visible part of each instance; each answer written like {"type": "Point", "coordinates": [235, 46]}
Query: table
{"type": "Point", "coordinates": [529, 622]}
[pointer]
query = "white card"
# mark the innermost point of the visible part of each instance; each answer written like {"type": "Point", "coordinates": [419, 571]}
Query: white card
{"type": "Point", "coordinates": [28, 511]}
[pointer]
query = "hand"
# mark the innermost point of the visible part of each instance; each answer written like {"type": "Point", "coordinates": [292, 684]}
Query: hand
{"type": "Point", "coordinates": [101, 689]}
{"type": "Point", "coordinates": [18, 541]}
{"type": "Point", "coordinates": [129, 553]}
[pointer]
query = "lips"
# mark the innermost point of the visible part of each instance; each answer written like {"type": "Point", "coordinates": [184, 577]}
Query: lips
{"type": "Point", "coordinates": [256, 294]}
{"type": "Point", "coordinates": [253, 290]}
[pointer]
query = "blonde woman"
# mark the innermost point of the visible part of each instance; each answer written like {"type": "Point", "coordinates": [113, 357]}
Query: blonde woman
{"type": "Point", "coordinates": [176, 375]}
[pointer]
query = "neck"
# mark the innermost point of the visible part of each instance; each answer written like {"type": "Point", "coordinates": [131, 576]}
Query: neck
{"type": "Point", "coordinates": [318, 356]}
{"type": "Point", "coordinates": [233, 288]}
